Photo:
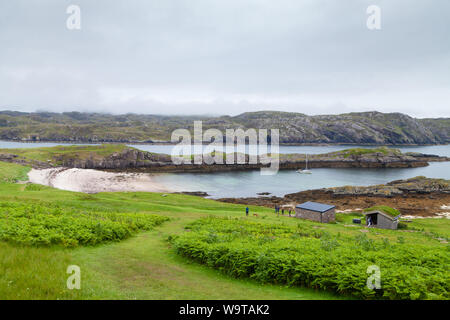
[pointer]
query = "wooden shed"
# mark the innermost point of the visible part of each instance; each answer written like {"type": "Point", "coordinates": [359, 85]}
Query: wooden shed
{"type": "Point", "coordinates": [380, 219]}
{"type": "Point", "coordinates": [315, 211]}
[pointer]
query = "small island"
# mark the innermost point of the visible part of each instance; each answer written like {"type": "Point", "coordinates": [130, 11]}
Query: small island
{"type": "Point", "coordinates": [121, 157]}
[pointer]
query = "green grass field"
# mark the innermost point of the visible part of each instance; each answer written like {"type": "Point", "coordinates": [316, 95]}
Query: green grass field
{"type": "Point", "coordinates": [145, 265]}
{"type": "Point", "coordinates": [141, 267]}
{"type": "Point", "coordinates": [45, 154]}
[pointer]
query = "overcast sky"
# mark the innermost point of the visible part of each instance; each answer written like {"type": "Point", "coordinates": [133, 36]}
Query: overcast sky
{"type": "Point", "coordinates": [226, 56]}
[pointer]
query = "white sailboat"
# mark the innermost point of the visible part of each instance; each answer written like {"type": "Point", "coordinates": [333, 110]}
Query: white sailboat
{"type": "Point", "coordinates": [305, 171]}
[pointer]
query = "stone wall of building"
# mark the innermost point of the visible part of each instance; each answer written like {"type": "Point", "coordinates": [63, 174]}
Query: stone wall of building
{"type": "Point", "coordinates": [386, 223]}
{"type": "Point", "coordinates": [325, 217]}
{"type": "Point", "coordinates": [306, 214]}
{"type": "Point", "coordinates": [328, 216]}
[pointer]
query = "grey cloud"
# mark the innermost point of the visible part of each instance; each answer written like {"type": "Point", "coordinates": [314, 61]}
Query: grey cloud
{"type": "Point", "coordinates": [226, 57]}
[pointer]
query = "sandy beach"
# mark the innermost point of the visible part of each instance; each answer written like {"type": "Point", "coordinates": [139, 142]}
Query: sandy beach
{"type": "Point", "coordinates": [93, 181]}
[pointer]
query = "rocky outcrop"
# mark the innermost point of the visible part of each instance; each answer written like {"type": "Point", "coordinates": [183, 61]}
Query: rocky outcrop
{"type": "Point", "coordinates": [360, 158]}
{"type": "Point", "coordinates": [121, 158]}
{"type": "Point", "coordinates": [194, 193]}
{"type": "Point", "coordinates": [416, 196]}
{"type": "Point", "coordinates": [127, 159]}
{"type": "Point", "coordinates": [418, 185]}
{"type": "Point", "coordinates": [421, 185]}
{"type": "Point", "coordinates": [8, 157]}
{"type": "Point", "coordinates": [132, 159]}
{"type": "Point", "coordinates": [14, 158]}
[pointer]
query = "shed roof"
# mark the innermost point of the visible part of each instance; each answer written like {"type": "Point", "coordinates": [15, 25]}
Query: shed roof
{"type": "Point", "coordinates": [315, 206]}
{"type": "Point", "coordinates": [383, 214]}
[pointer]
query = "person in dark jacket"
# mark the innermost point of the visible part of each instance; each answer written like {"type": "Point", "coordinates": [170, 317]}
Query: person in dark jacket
{"type": "Point", "coordinates": [246, 211]}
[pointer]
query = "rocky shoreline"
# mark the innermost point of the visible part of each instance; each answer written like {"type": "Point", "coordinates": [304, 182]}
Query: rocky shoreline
{"type": "Point", "coordinates": [133, 160]}
{"type": "Point", "coordinates": [417, 196]}
{"type": "Point", "coordinates": [140, 161]}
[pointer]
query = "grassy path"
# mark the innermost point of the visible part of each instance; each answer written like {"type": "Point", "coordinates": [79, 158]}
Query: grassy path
{"type": "Point", "coordinates": [145, 267]}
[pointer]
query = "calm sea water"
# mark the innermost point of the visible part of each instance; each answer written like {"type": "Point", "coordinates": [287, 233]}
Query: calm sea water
{"type": "Point", "coordinates": [18, 145]}
{"type": "Point", "coordinates": [249, 183]}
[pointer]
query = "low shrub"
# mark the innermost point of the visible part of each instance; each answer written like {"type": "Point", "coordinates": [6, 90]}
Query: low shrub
{"type": "Point", "coordinates": [33, 187]}
{"type": "Point", "coordinates": [50, 225]}
{"type": "Point", "coordinates": [302, 256]}
{"type": "Point", "coordinates": [402, 225]}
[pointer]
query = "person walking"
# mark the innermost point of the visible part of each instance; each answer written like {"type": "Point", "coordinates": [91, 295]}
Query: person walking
{"type": "Point", "coordinates": [246, 211]}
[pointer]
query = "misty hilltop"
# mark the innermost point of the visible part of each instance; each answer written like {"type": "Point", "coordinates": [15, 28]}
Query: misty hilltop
{"type": "Point", "coordinates": [295, 128]}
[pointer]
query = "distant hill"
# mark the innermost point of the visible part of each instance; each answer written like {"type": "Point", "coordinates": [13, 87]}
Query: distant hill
{"type": "Point", "coordinates": [296, 128]}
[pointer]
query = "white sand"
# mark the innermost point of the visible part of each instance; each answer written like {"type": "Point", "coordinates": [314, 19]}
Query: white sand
{"type": "Point", "coordinates": [92, 181]}
{"type": "Point", "coordinates": [412, 217]}
{"type": "Point", "coordinates": [348, 210]}
{"type": "Point", "coordinates": [444, 214]}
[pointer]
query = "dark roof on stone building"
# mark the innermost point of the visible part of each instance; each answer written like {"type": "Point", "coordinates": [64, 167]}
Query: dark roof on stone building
{"type": "Point", "coordinates": [315, 206]}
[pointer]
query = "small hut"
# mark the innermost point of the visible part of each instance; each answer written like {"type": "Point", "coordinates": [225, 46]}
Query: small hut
{"type": "Point", "coordinates": [381, 219]}
{"type": "Point", "coordinates": [315, 211]}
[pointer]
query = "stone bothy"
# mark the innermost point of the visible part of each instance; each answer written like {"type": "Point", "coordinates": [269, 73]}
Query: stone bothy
{"type": "Point", "coordinates": [316, 212]}
{"type": "Point", "coordinates": [381, 220]}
